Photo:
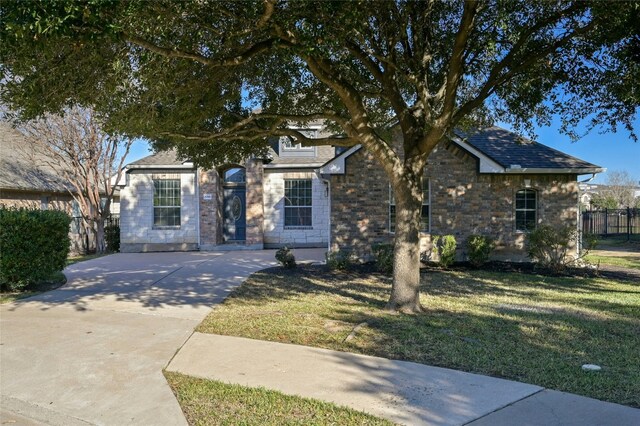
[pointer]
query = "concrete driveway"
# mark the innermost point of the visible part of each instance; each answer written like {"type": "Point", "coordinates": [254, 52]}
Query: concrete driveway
{"type": "Point", "coordinates": [92, 352]}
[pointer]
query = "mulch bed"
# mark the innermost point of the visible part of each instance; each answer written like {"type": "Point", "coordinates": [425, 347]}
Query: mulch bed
{"type": "Point", "coordinates": [604, 271]}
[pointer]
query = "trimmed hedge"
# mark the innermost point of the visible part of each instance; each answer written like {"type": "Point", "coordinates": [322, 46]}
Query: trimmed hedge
{"type": "Point", "coordinates": [34, 244]}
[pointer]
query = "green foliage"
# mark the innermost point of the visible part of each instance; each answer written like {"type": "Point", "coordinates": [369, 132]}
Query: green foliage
{"type": "Point", "coordinates": [550, 246]}
{"type": "Point", "coordinates": [603, 201]}
{"type": "Point", "coordinates": [340, 260]}
{"type": "Point", "coordinates": [384, 257]}
{"type": "Point", "coordinates": [286, 258]}
{"type": "Point", "coordinates": [112, 237]}
{"type": "Point", "coordinates": [445, 247]}
{"type": "Point", "coordinates": [479, 249]}
{"type": "Point", "coordinates": [34, 244]}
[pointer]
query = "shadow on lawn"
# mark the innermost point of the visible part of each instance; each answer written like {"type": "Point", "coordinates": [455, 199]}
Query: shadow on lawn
{"type": "Point", "coordinates": [478, 322]}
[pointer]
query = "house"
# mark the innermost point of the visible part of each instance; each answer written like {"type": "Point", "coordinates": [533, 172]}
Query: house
{"type": "Point", "coordinates": [491, 182]}
{"type": "Point", "coordinates": [590, 190]}
{"type": "Point", "coordinates": [27, 181]}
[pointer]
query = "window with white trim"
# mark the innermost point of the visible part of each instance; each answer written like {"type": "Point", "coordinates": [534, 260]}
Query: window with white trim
{"type": "Point", "coordinates": [298, 199]}
{"type": "Point", "coordinates": [290, 147]}
{"type": "Point", "coordinates": [424, 216]}
{"type": "Point", "coordinates": [166, 203]}
{"type": "Point", "coordinates": [526, 210]}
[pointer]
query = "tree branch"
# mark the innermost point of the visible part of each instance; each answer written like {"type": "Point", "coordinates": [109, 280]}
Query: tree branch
{"type": "Point", "coordinates": [230, 61]}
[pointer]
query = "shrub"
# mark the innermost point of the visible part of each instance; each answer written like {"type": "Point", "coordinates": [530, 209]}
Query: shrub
{"type": "Point", "coordinates": [34, 244]}
{"type": "Point", "coordinates": [112, 237]}
{"type": "Point", "coordinates": [479, 248]}
{"type": "Point", "coordinates": [340, 259]}
{"type": "Point", "coordinates": [445, 246]}
{"type": "Point", "coordinates": [384, 257]}
{"type": "Point", "coordinates": [549, 246]}
{"type": "Point", "coordinates": [286, 258]}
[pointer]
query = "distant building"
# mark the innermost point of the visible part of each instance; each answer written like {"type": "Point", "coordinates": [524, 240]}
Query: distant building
{"type": "Point", "coordinates": [588, 190]}
{"type": "Point", "coordinates": [26, 181]}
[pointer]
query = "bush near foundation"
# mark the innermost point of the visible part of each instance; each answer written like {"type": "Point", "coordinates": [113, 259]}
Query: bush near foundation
{"type": "Point", "coordinates": [34, 244]}
{"type": "Point", "coordinates": [384, 257]}
{"type": "Point", "coordinates": [551, 247]}
{"type": "Point", "coordinates": [286, 258]}
{"type": "Point", "coordinates": [479, 249]}
{"type": "Point", "coordinates": [340, 260]}
{"type": "Point", "coordinates": [445, 246]}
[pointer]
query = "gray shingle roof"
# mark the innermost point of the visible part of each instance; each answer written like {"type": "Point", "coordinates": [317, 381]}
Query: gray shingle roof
{"type": "Point", "coordinates": [507, 148]}
{"type": "Point", "coordinates": [21, 168]}
{"type": "Point", "coordinates": [160, 158]}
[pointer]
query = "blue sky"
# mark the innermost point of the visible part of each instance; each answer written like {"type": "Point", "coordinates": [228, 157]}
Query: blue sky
{"type": "Point", "coordinates": [613, 151]}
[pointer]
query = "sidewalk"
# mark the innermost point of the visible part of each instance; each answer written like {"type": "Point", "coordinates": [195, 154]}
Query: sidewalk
{"type": "Point", "coordinates": [404, 392]}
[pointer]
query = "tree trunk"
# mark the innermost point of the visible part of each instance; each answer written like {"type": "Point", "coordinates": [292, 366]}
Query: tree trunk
{"type": "Point", "coordinates": [405, 291]}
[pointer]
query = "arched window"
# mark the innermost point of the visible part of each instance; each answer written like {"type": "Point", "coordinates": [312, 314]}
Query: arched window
{"type": "Point", "coordinates": [235, 175]}
{"type": "Point", "coordinates": [526, 210]}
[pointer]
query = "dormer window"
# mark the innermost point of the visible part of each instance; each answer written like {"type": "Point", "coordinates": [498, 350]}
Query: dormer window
{"type": "Point", "coordinates": [289, 147]}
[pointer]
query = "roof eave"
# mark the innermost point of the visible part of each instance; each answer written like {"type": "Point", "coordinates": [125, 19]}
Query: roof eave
{"type": "Point", "coordinates": [556, 170]}
{"type": "Point", "coordinates": [159, 166]}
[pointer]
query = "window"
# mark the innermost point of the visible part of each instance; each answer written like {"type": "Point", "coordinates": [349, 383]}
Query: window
{"type": "Point", "coordinates": [425, 208]}
{"type": "Point", "coordinates": [76, 218]}
{"type": "Point", "coordinates": [235, 175]}
{"type": "Point", "coordinates": [526, 206]}
{"type": "Point", "coordinates": [289, 147]}
{"type": "Point", "coordinates": [166, 202]}
{"type": "Point", "coordinates": [297, 202]}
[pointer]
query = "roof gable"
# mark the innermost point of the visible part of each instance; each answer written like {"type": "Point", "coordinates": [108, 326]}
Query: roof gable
{"type": "Point", "coordinates": [500, 151]}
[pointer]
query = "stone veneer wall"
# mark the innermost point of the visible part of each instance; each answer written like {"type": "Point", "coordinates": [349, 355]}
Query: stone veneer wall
{"type": "Point", "coordinates": [211, 209]}
{"type": "Point", "coordinates": [210, 212]}
{"type": "Point", "coordinates": [463, 202]}
{"type": "Point", "coordinates": [255, 203]}
{"type": "Point", "coordinates": [136, 215]}
{"type": "Point", "coordinates": [275, 233]}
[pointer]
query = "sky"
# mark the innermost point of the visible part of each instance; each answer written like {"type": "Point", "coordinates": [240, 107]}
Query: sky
{"type": "Point", "coordinates": [613, 151]}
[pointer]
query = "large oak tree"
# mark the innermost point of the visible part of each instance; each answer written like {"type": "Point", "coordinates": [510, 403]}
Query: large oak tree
{"type": "Point", "coordinates": [216, 78]}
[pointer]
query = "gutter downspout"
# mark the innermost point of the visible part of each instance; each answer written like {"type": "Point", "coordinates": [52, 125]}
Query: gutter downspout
{"type": "Point", "coordinates": [328, 183]}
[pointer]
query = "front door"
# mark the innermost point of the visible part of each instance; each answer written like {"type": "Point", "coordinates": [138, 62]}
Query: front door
{"type": "Point", "coordinates": [235, 218]}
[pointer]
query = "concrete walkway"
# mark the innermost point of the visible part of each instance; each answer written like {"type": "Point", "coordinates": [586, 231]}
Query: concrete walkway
{"type": "Point", "coordinates": [404, 392]}
{"type": "Point", "coordinates": [92, 352]}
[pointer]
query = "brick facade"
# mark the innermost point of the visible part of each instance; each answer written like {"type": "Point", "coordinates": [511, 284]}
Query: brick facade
{"type": "Point", "coordinates": [462, 202]}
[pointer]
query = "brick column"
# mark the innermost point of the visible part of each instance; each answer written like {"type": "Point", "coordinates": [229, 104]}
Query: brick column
{"type": "Point", "coordinates": [255, 203]}
{"type": "Point", "coordinates": [210, 209]}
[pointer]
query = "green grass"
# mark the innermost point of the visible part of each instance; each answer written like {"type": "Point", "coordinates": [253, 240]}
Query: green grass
{"type": "Point", "coordinates": [209, 402]}
{"type": "Point", "coordinates": [528, 328]}
{"type": "Point", "coordinates": [56, 280]}
{"type": "Point", "coordinates": [631, 262]}
{"type": "Point", "coordinates": [82, 257]}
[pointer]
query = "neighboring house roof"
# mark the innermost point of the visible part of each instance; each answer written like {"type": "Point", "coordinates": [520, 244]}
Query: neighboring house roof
{"type": "Point", "coordinates": [21, 168]}
{"type": "Point", "coordinates": [500, 151]}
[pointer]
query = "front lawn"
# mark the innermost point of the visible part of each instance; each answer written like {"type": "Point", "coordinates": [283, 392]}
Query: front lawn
{"type": "Point", "coordinates": [209, 402]}
{"type": "Point", "coordinates": [629, 260]}
{"type": "Point", "coordinates": [523, 327]}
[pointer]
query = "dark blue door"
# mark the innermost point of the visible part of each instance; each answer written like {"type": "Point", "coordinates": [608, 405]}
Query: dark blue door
{"type": "Point", "coordinates": [235, 218]}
